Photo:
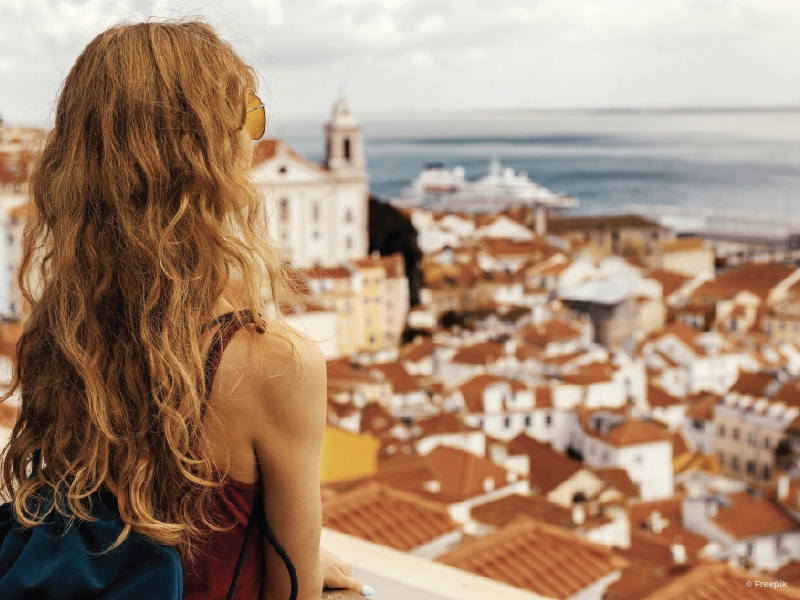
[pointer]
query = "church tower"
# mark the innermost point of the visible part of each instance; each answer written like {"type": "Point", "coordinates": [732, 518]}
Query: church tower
{"type": "Point", "coordinates": [344, 144]}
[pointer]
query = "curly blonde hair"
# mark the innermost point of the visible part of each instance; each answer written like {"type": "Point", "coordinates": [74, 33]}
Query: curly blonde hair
{"type": "Point", "coordinates": [144, 214]}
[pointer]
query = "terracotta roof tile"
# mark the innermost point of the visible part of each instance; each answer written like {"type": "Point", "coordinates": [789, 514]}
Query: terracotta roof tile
{"type": "Point", "coordinates": [669, 508]}
{"type": "Point", "coordinates": [472, 391]}
{"type": "Point", "coordinates": [758, 279]}
{"type": "Point", "coordinates": [460, 475]}
{"type": "Point", "coordinates": [642, 577]}
{"type": "Point", "coordinates": [402, 382]}
{"type": "Point", "coordinates": [721, 582]}
{"type": "Point", "coordinates": [702, 406]}
{"type": "Point", "coordinates": [375, 419]}
{"type": "Point", "coordinates": [544, 396]}
{"type": "Point", "coordinates": [748, 516]}
{"type": "Point", "coordinates": [548, 467]}
{"type": "Point", "coordinates": [790, 573]}
{"type": "Point", "coordinates": [536, 556]}
{"type": "Point", "coordinates": [418, 350]}
{"type": "Point", "coordinates": [789, 393]}
{"type": "Point", "coordinates": [619, 478]}
{"type": "Point", "coordinates": [485, 353]}
{"type": "Point", "coordinates": [679, 445]}
{"type": "Point", "coordinates": [503, 511]}
{"type": "Point", "coordinates": [542, 334]}
{"type": "Point", "coordinates": [444, 423]}
{"type": "Point", "coordinates": [658, 397]}
{"type": "Point", "coordinates": [630, 432]}
{"type": "Point", "coordinates": [589, 374]}
{"type": "Point", "coordinates": [752, 384]}
{"type": "Point", "coordinates": [387, 516]}
{"type": "Point", "coordinates": [394, 265]}
{"type": "Point", "coordinates": [266, 149]}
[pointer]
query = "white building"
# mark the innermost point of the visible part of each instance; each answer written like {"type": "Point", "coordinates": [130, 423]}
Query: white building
{"type": "Point", "coordinates": [606, 439]}
{"type": "Point", "coordinates": [318, 213]}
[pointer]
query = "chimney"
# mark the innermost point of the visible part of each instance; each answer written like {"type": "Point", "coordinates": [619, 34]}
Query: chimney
{"type": "Point", "coordinates": [783, 486]}
{"type": "Point", "coordinates": [657, 524]}
{"type": "Point", "coordinates": [511, 347]}
{"type": "Point", "coordinates": [434, 486]}
{"type": "Point", "coordinates": [488, 485]}
{"type": "Point", "coordinates": [678, 551]}
{"type": "Point", "coordinates": [578, 513]}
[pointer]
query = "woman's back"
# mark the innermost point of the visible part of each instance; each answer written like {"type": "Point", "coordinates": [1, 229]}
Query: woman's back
{"type": "Point", "coordinates": [145, 227]}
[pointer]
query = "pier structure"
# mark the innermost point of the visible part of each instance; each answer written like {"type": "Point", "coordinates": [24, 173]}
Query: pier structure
{"type": "Point", "coordinates": [736, 236]}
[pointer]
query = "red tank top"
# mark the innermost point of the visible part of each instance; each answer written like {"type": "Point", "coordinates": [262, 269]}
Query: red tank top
{"type": "Point", "coordinates": [210, 575]}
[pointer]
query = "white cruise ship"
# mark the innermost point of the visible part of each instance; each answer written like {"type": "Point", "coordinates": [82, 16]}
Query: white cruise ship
{"type": "Point", "coordinates": [445, 190]}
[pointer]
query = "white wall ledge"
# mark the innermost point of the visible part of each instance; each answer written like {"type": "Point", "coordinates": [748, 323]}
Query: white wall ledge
{"type": "Point", "coordinates": [397, 575]}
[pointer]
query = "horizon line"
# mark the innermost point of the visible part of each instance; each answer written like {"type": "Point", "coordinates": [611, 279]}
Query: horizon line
{"type": "Point", "coordinates": [622, 110]}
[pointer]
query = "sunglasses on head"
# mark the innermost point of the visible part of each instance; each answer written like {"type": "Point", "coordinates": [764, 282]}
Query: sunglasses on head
{"type": "Point", "coordinates": [256, 117]}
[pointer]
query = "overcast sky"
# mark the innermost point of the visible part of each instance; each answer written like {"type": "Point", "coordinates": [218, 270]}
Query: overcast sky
{"type": "Point", "coordinates": [395, 55]}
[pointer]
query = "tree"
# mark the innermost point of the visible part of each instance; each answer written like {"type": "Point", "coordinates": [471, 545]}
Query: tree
{"type": "Point", "coordinates": [390, 231]}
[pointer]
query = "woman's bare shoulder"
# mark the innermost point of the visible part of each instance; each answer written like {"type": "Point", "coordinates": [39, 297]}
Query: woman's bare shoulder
{"type": "Point", "coordinates": [285, 371]}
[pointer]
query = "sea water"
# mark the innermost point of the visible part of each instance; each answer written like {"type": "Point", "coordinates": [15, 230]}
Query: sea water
{"type": "Point", "coordinates": [732, 159]}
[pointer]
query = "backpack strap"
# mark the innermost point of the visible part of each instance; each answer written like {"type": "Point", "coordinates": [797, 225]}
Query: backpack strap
{"type": "Point", "coordinates": [257, 517]}
{"type": "Point", "coordinates": [229, 324]}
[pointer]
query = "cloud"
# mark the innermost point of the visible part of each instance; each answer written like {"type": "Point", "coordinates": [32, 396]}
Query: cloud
{"type": "Point", "coordinates": [446, 53]}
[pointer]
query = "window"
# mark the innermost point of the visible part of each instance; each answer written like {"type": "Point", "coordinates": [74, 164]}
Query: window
{"type": "Point", "coordinates": [766, 443]}
{"type": "Point", "coordinates": [282, 169]}
{"type": "Point", "coordinates": [348, 242]}
{"type": "Point", "coordinates": [766, 472]}
{"type": "Point", "coordinates": [721, 430]}
{"type": "Point", "coordinates": [315, 212]}
{"type": "Point", "coordinates": [548, 420]}
{"type": "Point", "coordinates": [347, 148]}
{"type": "Point", "coordinates": [721, 457]}
{"type": "Point", "coordinates": [348, 216]}
{"type": "Point", "coordinates": [527, 421]}
{"type": "Point", "coordinates": [697, 424]}
{"type": "Point", "coordinates": [508, 422]}
{"type": "Point", "coordinates": [284, 210]}
{"type": "Point", "coordinates": [736, 433]}
{"type": "Point", "coordinates": [751, 439]}
{"type": "Point", "coordinates": [751, 467]}
{"type": "Point", "coordinates": [735, 463]}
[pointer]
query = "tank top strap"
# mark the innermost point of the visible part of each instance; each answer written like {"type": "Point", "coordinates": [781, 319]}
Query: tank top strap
{"type": "Point", "coordinates": [229, 324]}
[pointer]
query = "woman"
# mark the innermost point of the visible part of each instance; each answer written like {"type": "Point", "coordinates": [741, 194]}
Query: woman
{"type": "Point", "coordinates": [147, 228]}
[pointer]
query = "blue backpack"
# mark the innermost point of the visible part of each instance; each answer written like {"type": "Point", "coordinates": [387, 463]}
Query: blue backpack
{"type": "Point", "coordinates": [59, 560]}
